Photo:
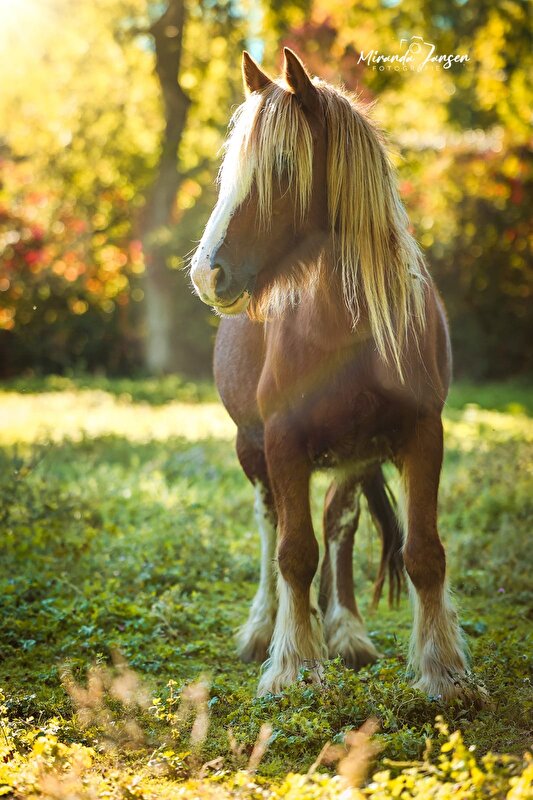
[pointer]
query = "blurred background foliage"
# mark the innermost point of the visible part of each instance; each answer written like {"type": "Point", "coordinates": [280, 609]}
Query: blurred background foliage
{"type": "Point", "coordinates": [113, 115]}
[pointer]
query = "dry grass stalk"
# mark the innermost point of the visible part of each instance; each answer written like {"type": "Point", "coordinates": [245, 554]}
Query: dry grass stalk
{"type": "Point", "coordinates": [92, 702]}
{"type": "Point", "coordinates": [260, 747]}
{"type": "Point", "coordinates": [354, 757]}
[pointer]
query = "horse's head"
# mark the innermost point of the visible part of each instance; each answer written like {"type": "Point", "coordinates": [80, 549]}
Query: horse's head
{"type": "Point", "coordinates": [271, 217]}
{"type": "Point", "coordinates": [306, 187]}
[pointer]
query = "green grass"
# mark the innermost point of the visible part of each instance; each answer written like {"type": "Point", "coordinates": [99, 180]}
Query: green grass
{"type": "Point", "coordinates": [155, 391]}
{"type": "Point", "coordinates": [127, 527]}
{"type": "Point", "coordinates": [511, 398]}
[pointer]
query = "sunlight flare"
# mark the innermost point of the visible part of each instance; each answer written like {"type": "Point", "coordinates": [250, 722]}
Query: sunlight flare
{"type": "Point", "coordinates": [20, 20]}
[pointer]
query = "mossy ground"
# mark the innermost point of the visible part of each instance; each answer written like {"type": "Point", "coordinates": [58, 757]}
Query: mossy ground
{"type": "Point", "coordinates": [127, 527]}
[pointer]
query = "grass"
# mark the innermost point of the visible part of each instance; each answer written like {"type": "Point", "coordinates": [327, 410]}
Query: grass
{"type": "Point", "coordinates": [127, 528]}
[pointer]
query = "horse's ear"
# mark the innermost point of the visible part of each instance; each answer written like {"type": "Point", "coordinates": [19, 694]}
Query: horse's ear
{"type": "Point", "coordinates": [253, 77]}
{"type": "Point", "coordinates": [299, 81]}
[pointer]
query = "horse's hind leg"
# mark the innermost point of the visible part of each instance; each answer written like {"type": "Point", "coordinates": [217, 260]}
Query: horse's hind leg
{"type": "Point", "coordinates": [437, 654]}
{"type": "Point", "coordinates": [344, 629]}
{"type": "Point", "coordinates": [253, 639]}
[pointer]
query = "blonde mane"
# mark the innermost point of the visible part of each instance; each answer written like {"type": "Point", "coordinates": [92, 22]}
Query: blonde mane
{"type": "Point", "coordinates": [382, 269]}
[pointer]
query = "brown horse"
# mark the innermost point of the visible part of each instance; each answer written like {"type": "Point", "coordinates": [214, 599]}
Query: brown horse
{"type": "Point", "coordinates": [332, 352]}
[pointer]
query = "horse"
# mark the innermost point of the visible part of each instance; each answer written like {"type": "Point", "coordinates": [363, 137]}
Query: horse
{"type": "Point", "coordinates": [333, 353]}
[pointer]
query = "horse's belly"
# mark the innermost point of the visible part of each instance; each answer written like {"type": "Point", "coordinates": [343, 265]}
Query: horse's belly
{"type": "Point", "coordinates": [355, 454]}
{"type": "Point", "coordinates": [358, 437]}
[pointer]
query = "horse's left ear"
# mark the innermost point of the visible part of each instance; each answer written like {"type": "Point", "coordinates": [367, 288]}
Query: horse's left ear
{"type": "Point", "coordinates": [297, 77]}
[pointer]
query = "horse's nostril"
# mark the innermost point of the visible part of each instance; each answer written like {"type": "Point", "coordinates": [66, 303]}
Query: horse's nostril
{"type": "Point", "coordinates": [216, 271]}
{"type": "Point", "coordinates": [221, 278]}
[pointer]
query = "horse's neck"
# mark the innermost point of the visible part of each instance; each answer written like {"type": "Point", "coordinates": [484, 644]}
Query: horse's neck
{"type": "Point", "coordinates": [322, 315]}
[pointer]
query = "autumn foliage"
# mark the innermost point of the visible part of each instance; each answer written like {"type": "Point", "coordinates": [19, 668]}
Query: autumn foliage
{"type": "Point", "coordinates": [77, 161]}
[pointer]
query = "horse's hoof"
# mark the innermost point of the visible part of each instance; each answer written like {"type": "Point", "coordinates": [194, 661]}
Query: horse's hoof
{"type": "Point", "coordinates": [346, 637]}
{"type": "Point", "coordinates": [255, 650]}
{"type": "Point", "coordinates": [311, 671]}
{"type": "Point", "coordinates": [355, 654]}
{"type": "Point", "coordinates": [357, 659]}
{"type": "Point", "coordinates": [253, 641]}
{"type": "Point", "coordinates": [456, 687]}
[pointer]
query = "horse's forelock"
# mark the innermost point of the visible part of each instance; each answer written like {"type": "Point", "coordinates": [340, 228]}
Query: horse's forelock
{"type": "Point", "coordinates": [269, 137]}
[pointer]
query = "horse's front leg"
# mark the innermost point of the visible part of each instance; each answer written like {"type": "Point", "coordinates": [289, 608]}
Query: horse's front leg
{"type": "Point", "coordinates": [437, 654]}
{"type": "Point", "coordinates": [298, 638]}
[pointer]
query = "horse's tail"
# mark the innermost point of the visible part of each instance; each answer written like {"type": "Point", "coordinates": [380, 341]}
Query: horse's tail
{"type": "Point", "coordinates": [382, 507]}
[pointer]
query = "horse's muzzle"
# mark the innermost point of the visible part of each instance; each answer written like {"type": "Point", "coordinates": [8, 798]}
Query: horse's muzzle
{"type": "Point", "coordinates": [237, 307]}
{"type": "Point", "coordinates": [218, 287]}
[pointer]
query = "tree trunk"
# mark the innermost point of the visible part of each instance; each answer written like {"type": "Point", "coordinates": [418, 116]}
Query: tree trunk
{"type": "Point", "coordinates": [160, 284]}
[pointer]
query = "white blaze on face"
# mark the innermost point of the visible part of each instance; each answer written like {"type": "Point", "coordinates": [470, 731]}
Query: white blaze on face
{"type": "Point", "coordinates": [204, 258]}
{"type": "Point", "coordinates": [235, 179]}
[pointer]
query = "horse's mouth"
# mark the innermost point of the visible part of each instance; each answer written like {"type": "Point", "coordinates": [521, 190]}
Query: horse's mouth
{"type": "Point", "coordinates": [237, 307]}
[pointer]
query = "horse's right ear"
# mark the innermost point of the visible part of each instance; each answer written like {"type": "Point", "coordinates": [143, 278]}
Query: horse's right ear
{"type": "Point", "coordinates": [299, 82]}
{"type": "Point", "coordinates": [253, 77]}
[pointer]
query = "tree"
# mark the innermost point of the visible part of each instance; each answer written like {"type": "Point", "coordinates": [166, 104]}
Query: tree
{"type": "Point", "coordinates": [84, 138]}
{"type": "Point", "coordinates": [160, 286]}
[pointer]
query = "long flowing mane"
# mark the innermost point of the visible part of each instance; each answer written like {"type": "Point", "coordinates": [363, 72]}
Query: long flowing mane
{"type": "Point", "coordinates": [382, 269]}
